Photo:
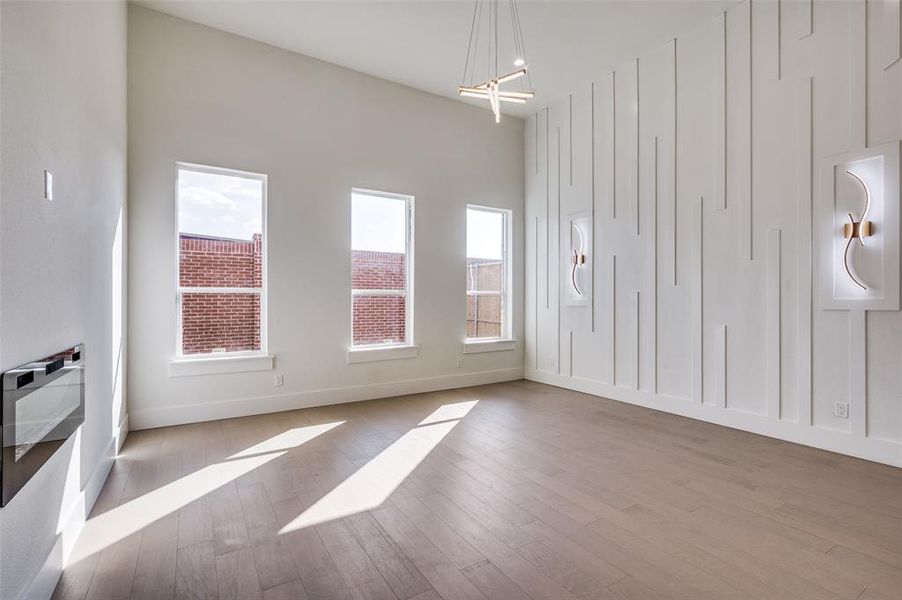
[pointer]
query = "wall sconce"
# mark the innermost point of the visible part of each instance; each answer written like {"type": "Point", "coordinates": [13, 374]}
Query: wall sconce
{"type": "Point", "coordinates": [857, 230]}
{"type": "Point", "coordinates": [577, 260]}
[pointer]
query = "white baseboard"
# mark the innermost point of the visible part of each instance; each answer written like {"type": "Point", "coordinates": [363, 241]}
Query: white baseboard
{"type": "Point", "coordinates": [877, 450]}
{"type": "Point", "coordinates": [48, 576]}
{"type": "Point", "coordinates": [242, 407]}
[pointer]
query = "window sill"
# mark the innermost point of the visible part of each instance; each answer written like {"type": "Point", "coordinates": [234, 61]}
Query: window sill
{"type": "Point", "coordinates": [376, 353]}
{"type": "Point", "coordinates": [213, 365]}
{"type": "Point", "coordinates": [479, 346]}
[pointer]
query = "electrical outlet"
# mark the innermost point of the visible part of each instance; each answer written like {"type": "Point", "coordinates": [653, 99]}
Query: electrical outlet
{"type": "Point", "coordinates": [279, 380]}
{"type": "Point", "coordinates": [460, 362]}
{"type": "Point", "coordinates": [841, 410]}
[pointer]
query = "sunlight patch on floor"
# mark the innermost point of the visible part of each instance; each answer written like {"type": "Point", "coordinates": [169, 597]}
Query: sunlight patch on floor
{"type": "Point", "coordinates": [118, 523]}
{"type": "Point", "coordinates": [373, 483]}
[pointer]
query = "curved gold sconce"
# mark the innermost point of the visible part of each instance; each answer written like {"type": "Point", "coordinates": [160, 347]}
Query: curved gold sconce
{"type": "Point", "coordinates": [856, 230]}
{"type": "Point", "coordinates": [578, 258]}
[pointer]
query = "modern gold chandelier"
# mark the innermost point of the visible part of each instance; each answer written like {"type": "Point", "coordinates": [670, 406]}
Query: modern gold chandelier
{"type": "Point", "coordinates": [484, 46]}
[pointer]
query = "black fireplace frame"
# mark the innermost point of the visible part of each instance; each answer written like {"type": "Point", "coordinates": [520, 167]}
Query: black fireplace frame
{"type": "Point", "coordinates": [18, 384]}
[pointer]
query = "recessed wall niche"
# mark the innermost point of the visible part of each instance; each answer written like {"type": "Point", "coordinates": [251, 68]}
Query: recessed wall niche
{"type": "Point", "coordinates": [578, 266]}
{"type": "Point", "coordinates": [857, 237]}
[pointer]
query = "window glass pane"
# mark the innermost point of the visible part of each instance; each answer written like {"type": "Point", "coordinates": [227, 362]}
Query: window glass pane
{"type": "Point", "coordinates": [220, 322]}
{"type": "Point", "coordinates": [379, 261]}
{"type": "Point", "coordinates": [220, 230]}
{"type": "Point", "coordinates": [220, 225]}
{"type": "Point", "coordinates": [485, 273]}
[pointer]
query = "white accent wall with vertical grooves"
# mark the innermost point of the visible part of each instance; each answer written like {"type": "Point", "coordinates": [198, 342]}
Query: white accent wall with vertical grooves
{"type": "Point", "coordinates": [699, 161]}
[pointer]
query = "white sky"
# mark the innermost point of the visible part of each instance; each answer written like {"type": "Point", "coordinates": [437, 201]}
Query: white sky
{"type": "Point", "coordinates": [220, 205]}
{"type": "Point", "coordinates": [378, 223]}
{"type": "Point", "coordinates": [231, 207]}
{"type": "Point", "coordinates": [485, 234]}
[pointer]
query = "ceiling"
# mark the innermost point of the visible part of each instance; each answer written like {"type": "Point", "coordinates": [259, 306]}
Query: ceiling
{"type": "Point", "coordinates": [423, 44]}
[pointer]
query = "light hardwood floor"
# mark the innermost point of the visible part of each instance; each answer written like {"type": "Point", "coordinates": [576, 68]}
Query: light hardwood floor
{"type": "Point", "coordinates": [509, 491]}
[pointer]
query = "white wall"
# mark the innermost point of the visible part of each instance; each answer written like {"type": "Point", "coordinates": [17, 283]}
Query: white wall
{"type": "Point", "coordinates": [62, 108]}
{"type": "Point", "coordinates": [708, 148]}
{"type": "Point", "coordinates": [204, 96]}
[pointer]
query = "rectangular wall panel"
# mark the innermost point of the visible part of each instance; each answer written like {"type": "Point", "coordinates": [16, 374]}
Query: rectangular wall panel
{"type": "Point", "coordinates": [892, 23]}
{"type": "Point", "coordinates": [612, 321]}
{"type": "Point", "coordinates": [774, 322]}
{"type": "Point", "coordinates": [635, 136]}
{"type": "Point", "coordinates": [637, 354]}
{"type": "Point", "coordinates": [858, 383]}
{"type": "Point", "coordinates": [672, 128]}
{"type": "Point", "coordinates": [804, 185]}
{"type": "Point", "coordinates": [739, 124]}
{"type": "Point", "coordinates": [612, 142]}
{"type": "Point", "coordinates": [653, 272]}
{"type": "Point", "coordinates": [699, 316]}
{"type": "Point", "coordinates": [858, 75]}
{"type": "Point", "coordinates": [766, 20]}
{"type": "Point", "coordinates": [593, 207]}
{"type": "Point", "coordinates": [723, 131]}
{"type": "Point", "coordinates": [720, 363]}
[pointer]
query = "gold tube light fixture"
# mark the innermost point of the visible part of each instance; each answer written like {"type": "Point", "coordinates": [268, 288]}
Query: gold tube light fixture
{"type": "Point", "coordinates": [484, 56]}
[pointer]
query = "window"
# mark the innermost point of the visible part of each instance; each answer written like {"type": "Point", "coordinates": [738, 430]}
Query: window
{"type": "Point", "coordinates": [381, 268]}
{"type": "Point", "coordinates": [221, 261]}
{"type": "Point", "coordinates": [488, 272]}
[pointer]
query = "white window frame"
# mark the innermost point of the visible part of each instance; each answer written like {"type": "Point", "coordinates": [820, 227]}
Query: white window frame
{"type": "Point", "coordinates": [506, 283]}
{"type": "Point", "coordinates": [355, 349]}
{"type": "Point", "coordinates": [180, 290]}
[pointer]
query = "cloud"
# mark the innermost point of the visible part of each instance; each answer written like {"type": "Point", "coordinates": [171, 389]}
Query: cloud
{"type": "Point", "coordinates": [198, 196]}
{"type": "Point", "coordinates": [219, 205]}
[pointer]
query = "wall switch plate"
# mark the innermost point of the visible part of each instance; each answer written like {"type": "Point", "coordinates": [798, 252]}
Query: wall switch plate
{"type": "Point", "coordinates": [279, 380]}
{"type": "Point", "coordinates": [48, 185]}
{"type": "Point", "coordinates": [460, 362]}
{"type": "Point", "coordinates": [841, 410]}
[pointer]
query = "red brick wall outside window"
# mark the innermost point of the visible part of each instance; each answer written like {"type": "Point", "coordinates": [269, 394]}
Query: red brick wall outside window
{"type": "Point", "coordinates": [220, 322]}
{"type": "Point", "coordinates": [230, 322]}
{"type": "Point", "coordinates": [378, 319]}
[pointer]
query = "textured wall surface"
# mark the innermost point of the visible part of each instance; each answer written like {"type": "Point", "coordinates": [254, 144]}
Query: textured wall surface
{"type": "Point", "coordinates": [698, 165]}
{"type": "Point", "coordinates": [220, 321]}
